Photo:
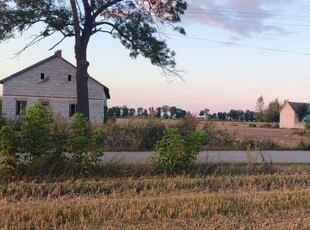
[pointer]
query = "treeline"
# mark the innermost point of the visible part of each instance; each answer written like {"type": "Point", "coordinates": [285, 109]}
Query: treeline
{"type": "Point", "coordinates": [164, 111]}
{"type": "Point", "coordinates": [262, 113]}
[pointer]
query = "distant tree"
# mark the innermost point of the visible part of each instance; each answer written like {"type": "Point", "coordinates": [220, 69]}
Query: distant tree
{"type": "Point", "coordinates": [302, 111]}
{"type": "Point", "coordinates": [222, 116]}
{"type": "Point", "coordinates": [173, 111]}
{"type": "Point", "coordinates": [201, 113]}
{"type": "Point", "coordinates": [180, 113]}
{"type": "Point", "coordinates": [151, 109]}
{"type": "Point", "coordinates": [115, 111]}
{"type": "Point", "coordinates": [125, 111]}
{"type": "Point", "coordinates": [132, 112]}
{"type": "Point", "coordinates": [273, 111]}
{"type": "Point", "coordinates": [233, 115]}
{"type": "Point", "coordinates": [145, 114]}
{"type": "Point", "coordinates": [140, 111]}
{"type": "Point", "coordinates": [260, 109]}
{"type": "Point", "coordinates": [165, 109]}
{"type": "Point", "coordinates": [158, 112]}
{"type": "Point", "coordinates": [249, 115]}
{"type": "Point", "coordinates": [206, 112]}
{"type": "Point", "coordinates": [213, 116]}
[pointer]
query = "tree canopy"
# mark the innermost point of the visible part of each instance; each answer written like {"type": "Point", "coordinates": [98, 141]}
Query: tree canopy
{"type": "Point", "coordinates": [138, 24]}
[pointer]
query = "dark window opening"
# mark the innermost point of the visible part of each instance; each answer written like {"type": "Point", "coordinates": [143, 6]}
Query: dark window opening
{"type": "Point", "coordinates": [69, 77]}
{"type": "Point", "coordinates": [42, 76]}
{"type": "Point", "coordinates": [20, 106]}
{"type": "Point", "coordinates": [72, 109]}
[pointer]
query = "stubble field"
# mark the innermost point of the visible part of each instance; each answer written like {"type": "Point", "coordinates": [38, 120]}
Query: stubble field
{"type": "Point", "coordinates": [248, 196]}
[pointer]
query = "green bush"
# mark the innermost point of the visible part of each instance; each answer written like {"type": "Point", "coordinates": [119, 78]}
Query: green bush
{"type": "Point", "coordinates": [9, 142]}
{"type": "Point", "coordinates": [36, 130]}
{"type": "Point", "coordinates": [85, 145]}
{"type": "Point", "coordinates": [176, 153]}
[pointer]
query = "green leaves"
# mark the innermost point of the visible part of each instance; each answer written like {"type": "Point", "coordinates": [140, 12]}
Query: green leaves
{"type": "Point", "coordinates": [175, 152]}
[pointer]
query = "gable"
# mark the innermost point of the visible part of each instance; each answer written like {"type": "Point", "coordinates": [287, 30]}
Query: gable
{"type": "Point", "coordinates": [55, 70]}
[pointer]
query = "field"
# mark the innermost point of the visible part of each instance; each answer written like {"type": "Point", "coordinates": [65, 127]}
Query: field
{"type": "Point", "coordinates": [283, 137]}
{"type": "Point", "coordinates": [234, 196]}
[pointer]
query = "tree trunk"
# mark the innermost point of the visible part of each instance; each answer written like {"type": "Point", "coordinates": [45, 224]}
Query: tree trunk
{"type": "Point", "coordinates": [82, 80]}
{"type": "Point", "coordinates": [81, 41]}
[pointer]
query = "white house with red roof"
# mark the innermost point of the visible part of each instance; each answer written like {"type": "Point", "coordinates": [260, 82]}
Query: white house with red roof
{"type": "Point", "coordinates": [52, 82]}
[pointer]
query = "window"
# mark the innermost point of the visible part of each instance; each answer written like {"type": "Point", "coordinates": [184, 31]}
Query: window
{"type": "Point", "coordinates": [72, 109]}
{"type": "Point", "coordinates": [20, 106]}
{"type": "Point", "coordinates": [42, 76]}
{"type": "Point", "coordinates": [69, 77]}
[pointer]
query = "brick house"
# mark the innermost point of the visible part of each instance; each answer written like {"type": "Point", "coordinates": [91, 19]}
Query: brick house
{"type": "Point", "coordinates": [288, 115]}
{"type": "Point", "coordinates": [52, 82]}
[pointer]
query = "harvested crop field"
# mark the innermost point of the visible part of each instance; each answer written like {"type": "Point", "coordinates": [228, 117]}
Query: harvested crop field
{"type": "Point", "coordinates": [284, 137]}
{"type": "Point", "coordinates": [237, 201]}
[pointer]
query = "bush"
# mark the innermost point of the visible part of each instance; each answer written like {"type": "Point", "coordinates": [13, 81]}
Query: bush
{"type": "Point", "coordinates": [36, 130]}
{"type": "Point", "coordinates": [85, 145]}
{"type": "Point", "coordinates": [176, 153]}
{"type": "Point", "coordinates": [8, 149]}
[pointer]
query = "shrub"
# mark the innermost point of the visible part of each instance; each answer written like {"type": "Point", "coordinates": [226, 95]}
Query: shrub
{"type": "Point", "coordinates": [176, 153]}
{"type": "Point", "coordinates": [36, 130]}
{"type": "Point", "coordinates": [8, 149]}
{"type": "Point", "coordinates": [85, 145]}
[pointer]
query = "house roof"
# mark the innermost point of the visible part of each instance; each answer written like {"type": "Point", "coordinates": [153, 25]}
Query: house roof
{"type": "Point", "coordinates": [56, 55]}
{"type": "Point", "coordinates": [296, 105]}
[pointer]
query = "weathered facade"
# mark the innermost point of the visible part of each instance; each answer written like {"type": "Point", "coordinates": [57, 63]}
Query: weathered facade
{"type": "Point", "coordinates": [289, 115]}
{"type": "Point", "coordinates": [52, 82]}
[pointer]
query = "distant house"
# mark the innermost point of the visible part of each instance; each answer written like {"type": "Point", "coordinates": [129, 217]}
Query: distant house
{"type": "Point", "coordinates": [52, 82]}
{"type": "Point", "coordinates": [289, 114]}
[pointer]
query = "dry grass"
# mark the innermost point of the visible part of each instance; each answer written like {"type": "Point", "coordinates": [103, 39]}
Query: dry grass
{"type": "Point", "coordinates": [157, 202]}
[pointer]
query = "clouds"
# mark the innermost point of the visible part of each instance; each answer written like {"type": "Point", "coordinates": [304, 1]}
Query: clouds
{"type": "Point", "coordinates": [242, 17]}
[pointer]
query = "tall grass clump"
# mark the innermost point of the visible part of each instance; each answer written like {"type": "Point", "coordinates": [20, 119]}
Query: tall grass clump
{"type": "Point", "coordinates": [133, 134]}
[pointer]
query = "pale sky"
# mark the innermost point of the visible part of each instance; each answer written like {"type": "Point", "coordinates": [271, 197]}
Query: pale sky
{"type": "Point", "coordinates": [234, 51]}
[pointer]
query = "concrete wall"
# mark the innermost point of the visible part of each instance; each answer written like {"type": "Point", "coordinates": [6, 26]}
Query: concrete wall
{"type": "Point", "coordinates": [55, 88]}
{"type": "Point", "coordinates": [288, 117]}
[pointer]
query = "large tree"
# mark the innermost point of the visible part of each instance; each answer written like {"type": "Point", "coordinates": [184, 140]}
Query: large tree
{"type": "Point", "coordinates": [136, 23]}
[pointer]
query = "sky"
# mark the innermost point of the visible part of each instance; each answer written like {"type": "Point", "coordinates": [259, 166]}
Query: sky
{"type": "Point", "coordinates": [233, 52]}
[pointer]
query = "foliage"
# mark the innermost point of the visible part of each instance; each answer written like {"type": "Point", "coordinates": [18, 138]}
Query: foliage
{"type": "Point", "coordinates": [9, 142]}
{"type": "Point", "coordinates": [176, 153]}
{"type": "Point", "coordinates": [2, 119]}
{"type": "Point", "coordinates": [273, 111]}
{"type": "Point", "coordinates": [36, 130]}
{"type": "Point", "coordinates": [260, 109]}
{"type": "Point", "coordinates": [302, 111]}
{"type": "Point", "coordinates": [85, 145]}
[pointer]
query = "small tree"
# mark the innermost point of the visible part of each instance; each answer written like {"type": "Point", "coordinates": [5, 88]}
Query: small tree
{"type": "Point", "coordinates": [36, 129]}
{"type": "Point", "coordinates": [176, 153]}
{"type": "Point", "coordinates": [85, 145]}
{"type": "Point", "coordinates": [302, 111]}
{"type": "Point", "coordinates": [273, 111]}
{"type": "Point", "coordinates": [260, 109]}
